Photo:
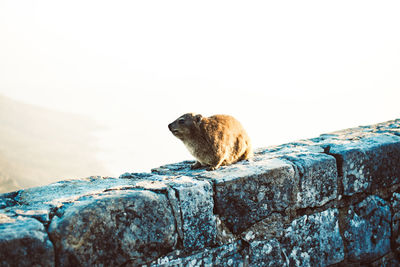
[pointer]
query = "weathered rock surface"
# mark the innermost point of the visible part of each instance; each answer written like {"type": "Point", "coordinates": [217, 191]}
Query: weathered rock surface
{"type": "Point", "coordinates": [196, 205]}
{"type": "Point", "coordinates": [254, 193]}
{"type": "Point", "coordinates": [395, 204]}
{"type": "Point", "coordinates": [314, 240]}
{"type": "Point", "coordinates": [246, 192]}
{"type": "Point", "coordinates": [330, 200]}
{"type": "Point", "coordinates": [369, 163]}
{"type": "Point", "coordinates": [24, 242]}
{"type": "Point", "coordinates": [266, 253]}
{"type": "Point", "coordinates": [317, 178]}
{"type": "Point", "coordinates": [114, 228]}
{"type": "Point", "coordinates": [192, 205]}
{"type": "Point", "coordinates": [367, 229]}
{"type": "Point", "coordinates": [40, 202]}
{"type": "Point", "coordinates": [226, 255]}
{"type": "Point", "coordinates": [268, 228]}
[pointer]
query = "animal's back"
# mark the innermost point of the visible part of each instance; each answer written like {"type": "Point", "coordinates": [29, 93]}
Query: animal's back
{"type": "Point", "coordinates": [228, 138]}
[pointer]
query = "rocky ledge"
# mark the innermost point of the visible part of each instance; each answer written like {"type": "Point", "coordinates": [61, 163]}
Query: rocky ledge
{"type": "Point", "coordinates": [333, 200]}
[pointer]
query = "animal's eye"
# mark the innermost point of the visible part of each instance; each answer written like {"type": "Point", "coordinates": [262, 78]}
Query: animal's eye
{"type": "Point", "coordinates": [181, 121]}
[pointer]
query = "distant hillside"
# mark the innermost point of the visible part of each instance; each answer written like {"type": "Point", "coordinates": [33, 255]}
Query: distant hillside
{"type": "Point", "coordinates": [39, 146]}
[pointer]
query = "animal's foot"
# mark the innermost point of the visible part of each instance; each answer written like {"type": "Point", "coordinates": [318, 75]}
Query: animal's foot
{"type": "Point", "coordinates": [196, 165]}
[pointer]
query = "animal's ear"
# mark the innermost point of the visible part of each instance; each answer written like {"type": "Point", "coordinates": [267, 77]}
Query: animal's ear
{"type": "Point", "coordinates": [198, 118]}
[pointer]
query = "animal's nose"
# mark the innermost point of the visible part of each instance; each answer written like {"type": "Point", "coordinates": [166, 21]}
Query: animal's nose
{"type": "Point", "coordinates": [169, 126]}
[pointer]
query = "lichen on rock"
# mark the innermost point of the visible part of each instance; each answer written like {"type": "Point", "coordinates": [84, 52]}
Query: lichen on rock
{"type": "Point", "coordinates": [24, 242]}
{"type": "Point", "coordinates": [367, 229]}
{"type": "Point", "coordinates": [314, 240]}
{"type": "Point", "coordinates": [114, 228]}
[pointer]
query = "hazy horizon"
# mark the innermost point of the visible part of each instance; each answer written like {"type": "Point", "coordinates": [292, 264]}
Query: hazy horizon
{"type": "Point", "coordinates": [287, 70]}
{"type": "Point", "coordinates": [39, 146]}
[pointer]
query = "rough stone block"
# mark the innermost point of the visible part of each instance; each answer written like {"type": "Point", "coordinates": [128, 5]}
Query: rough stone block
{"type": "Point", "coordinates": [196, 204]}
{"type": "Point", "coordinates": [24, 242]}
{"type": "Point", "coordinates": [268, 228]}
{"type": "Point", "coordinates": [395, 203]}
{"type": "Point", "coordinates": [248, 191]}
{"type": "Point", "coordinates": [367, 229]}
{"type": "Point", "coordinates": [314, 240]}
{"type": "Point", "coordinates": [40, 202]}
{"type": "Point", "coordinates": [266, 253]}
{"type": "Point", "coordinates": [114, 228]}
{"type": "Point", "coordinates": [226, 255]}
{"type": "Point", "coordinates": [8, 200]}
{"type": "Point", "coordinates": [317, 178]}
{"type": "Point", "coordinates": [369, 163]}
{"type": "Point", "coordinates": [192, 204]}
{"type": "Point", "coordinates": [384, 164]}
{"type": "Point", "coordinates": [246, 194]}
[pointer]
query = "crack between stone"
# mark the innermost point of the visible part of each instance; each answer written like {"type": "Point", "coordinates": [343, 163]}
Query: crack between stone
{"type": "Point", "coordinates": [214, 188]}
{"type": "Point", "coordinates": [392, 237]}
{"type": "Point", "coordinates": [298, 170]}
{"type": "Point", "coordinates": [381, 257]}
{"type": "Point", "coordinates": [341, 222]}
{"type": "Point", "coordinates": [244, 250]}
{"type": "Point", "coordinates": [56, 257]}
{"type": "Point", "coordinates": [339, 168]}
{"type": "Point", "coordinates": [282, 213]}
{"type": "Point", "coordinates": [312, 210]}
{"type": "Point", "coordinates": [50, 238]}
{"type": "Point", "coordinates": [178, 217]}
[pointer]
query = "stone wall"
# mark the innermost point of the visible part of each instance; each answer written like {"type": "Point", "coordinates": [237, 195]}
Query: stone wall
{"type": "Point", "coordinates": [328, 201]}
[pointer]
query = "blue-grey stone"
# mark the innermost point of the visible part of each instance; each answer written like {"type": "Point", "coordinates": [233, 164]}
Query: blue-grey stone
{"type": "Point", "coordinates": [196, 205]}
{"type": "Point", "coordinates": [114, 228]}
{"type": "Point", "coordinates": [24, 242]}
{"type": "Point", "coordinates": [314, 240]}
{"type": "Point", "coordinates": [246, 192]}
{"type": "Point", "coordinates": [368, 163]}
{"type": "Point", "coordinates": [395, 204]}
{"type": "Point", "coordinates": [266, 253]}
{"type": "Point", "coordinates": [226, 255]}
{"type": "Point", "coordinates": [367, 229]}
{"type": "Point", "coordinates": [317, 178]}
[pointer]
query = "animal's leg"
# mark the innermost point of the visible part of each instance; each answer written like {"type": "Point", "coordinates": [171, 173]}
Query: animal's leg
{"type": "Point", "coordinates": [212, 168]}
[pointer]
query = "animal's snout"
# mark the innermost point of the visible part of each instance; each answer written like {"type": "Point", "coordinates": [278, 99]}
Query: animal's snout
{"type": "Point", "coordinates": [170, 126]}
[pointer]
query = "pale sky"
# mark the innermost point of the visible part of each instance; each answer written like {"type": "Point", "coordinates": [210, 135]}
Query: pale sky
{"type": "Point", "coordinates": [286, 69]}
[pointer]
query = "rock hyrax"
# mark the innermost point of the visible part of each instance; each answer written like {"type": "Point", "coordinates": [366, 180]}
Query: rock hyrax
{"type": "Point", "coordinates": [213, 141]}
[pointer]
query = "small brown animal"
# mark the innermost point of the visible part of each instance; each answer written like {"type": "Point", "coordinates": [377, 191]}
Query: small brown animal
{"type": "Point", "coordinates": [213, 141]}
